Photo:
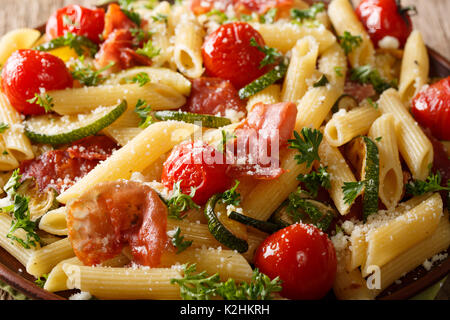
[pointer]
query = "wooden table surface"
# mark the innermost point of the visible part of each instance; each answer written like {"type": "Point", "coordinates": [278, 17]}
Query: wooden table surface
{"type": "Point", "coordinates": [433, 21]}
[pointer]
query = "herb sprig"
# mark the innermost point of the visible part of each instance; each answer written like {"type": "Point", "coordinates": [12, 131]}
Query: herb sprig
{"type": "Point", "coordinates": [180, 202]}
{"type": "Point", "coordinates": [369, 75]}
{"type": "Point", "coordinates": [349, 42]}
{"type": "Point", "coordinates": [316, 179]}
{"type": "Point", "coordinates": [271, 54]}
{"type": "Point", "coordinates": [201, 286]}
{"type": "Point", "coordinates": [75, 42]}
{"type": "Point", "coordinates": [148, 50]}
{"type": "Point", "coordinates": [308, 146]}
{"type": "Point", "coordinates": [3, 127]}
{"type": "Point", "coordinates": [431, 184]}
{"type": "Point", "coordinates": [179, 242]}
{"type": "Point", "coordinates": [144, 111]}
{"type": "Point", "coordinates": [231, 196]}
{"type": "Point", "coordinates": [44, 100]}
{"type": "Point", "coordinates": [87, 75]}
{"type": "Point", "coordinates": [310, 13]}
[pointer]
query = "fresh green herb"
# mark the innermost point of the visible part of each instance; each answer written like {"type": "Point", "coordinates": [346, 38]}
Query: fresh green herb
{"type": "Point", "coordinates": [87, 74]}
{"type": "Point", "coordinates": [378, 139]}
{"type": "Point", "coordinates": [75, 42]}
{"type": "Point", "coordinates": [316, 179]}
{"type": "Point", "coordinates": [310, 13]}
{"type": "Point", "coordinates": [44, 101]}
{"type": "Point", "coordinates": [349, 42]}
{"type": "Point", "coordinates": [269, 17]}
{"type": "Point", "coordinates": [338, 71]}
{"type": "Point", "coordinates": [298, 205]}
{"type": "Point", "coordinates": [13, 184]}
{"type": "Point", "coordinates": [5, 153]}
{"type": "Point", "coordinates": [308, 146]}
{"type": "Point", "coordinates": [41, 280]}
{"type": "Point", "coordinates": [201, 286]}
{"type": "Point", "coordinates": [180, 202]}
{"type": "Point", "coordinates": [125, 6]}
{"type": "Point", "coordinates": [226, 136]}
{"type": "Point", "coordinates": [67, 21]}
{"type": "Point", "coordinates": [160, 18]}
{"type": "Point", "coordinates": [323, 81]}
{"type": "Point", "coordinates": [21, 220]}
{"type": "Point", "coordinates": [3, 127]}
{"type": "Point", "coordinates": [140, 35]}
{"type": "Point", "coordinates": [231, 196]}
{"type": "Point", "coordinates": [246, 17]}
{"type": "Point", "coordinates": [151, 4]}
{"type": "Point", "coordinates": [369, 75]}
{"type": "Point", "coordinates": [149, 50]}
{"type": "Point", "coordinates": [221, 16]}
{"type": "Point", "coordinates": [144, 112]}
{"type": "Point", "coordinates": [431, 184]}
{"type": "Point", "coordinates": [352, 190]}
{"type": "Point", "coordinates": [142, 78]}
{"type": "Point", "coordinates": [338, 229]}
{"type": "Point", "coordinates": [372, 103]}
{"type": "Point", "coordinates": [271, 54]}
{"type": "Point", "coordinates": [178, 241]}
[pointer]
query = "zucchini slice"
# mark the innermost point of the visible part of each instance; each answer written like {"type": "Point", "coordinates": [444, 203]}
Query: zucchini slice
{"type": "Point", "coordinates": [264, 226]}
{"type": "Point", "coordinates": [53, 129]}
{"type": "Point", "coordinates": [346, 102]}
{"type": "Point", "coordinates": [371, 177]}
{"type": "Point", "coordinates": [264, 81]}
{"type": "Point", "coordinates": [207, 121]}
{"type": "Point", "coordinates": [219, 230]}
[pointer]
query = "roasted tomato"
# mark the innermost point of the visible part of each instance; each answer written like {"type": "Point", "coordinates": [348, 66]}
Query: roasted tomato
{"type": "Point", "coordinates": [261, 6]}
{"type": "Point", "coordinates": [28, 72]}
{"type": "Point", "coordinates": [304, 259]}
{"type": "Point", "coordinates": [383, 18]}
{"type": "Point", "coordinates": [213, 96]}
{"type": "Point", "coordinates": [431, 108]}
{"type": "Point", "coordinates": [77, 20]}
{"type": "Point", "coordinates": [204, 6]}
{"type": "Point", "coordinates": [196, 165]}
{"type": "Point", "coordinates": [228, 54]}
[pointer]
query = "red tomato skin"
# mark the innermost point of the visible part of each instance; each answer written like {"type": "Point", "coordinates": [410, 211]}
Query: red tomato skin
{"type": "Point", "coordinates": [304, 259]}
{"type": "Point", "coordinates": [115, 19]}
{"type": "Point", "coordinates": [261, 6]}
{"type": "Point", "coordinates": [204, 6]}
{"type": "Point", "coordinates": [194, 165]}
{"type": "Point", "coordinates": [213, 96]}
{"type": "Point", "coordinates": [26, 72]}
{"type": "Point", "coordinates": [86, 22]}
{"type": "Point", "coordinates": [227, 54]}
{"type": "Point", "coordinates": [431, 108]}
{"type": "Point", "coordinates": [382, 18]}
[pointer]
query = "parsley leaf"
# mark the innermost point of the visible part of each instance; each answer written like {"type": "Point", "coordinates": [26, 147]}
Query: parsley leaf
{"type": "Point", "coordinates": [231, 196]}
{"type": "Point", "coordinates": [140, 35]}
{"type": "Point", "coordinates": [201, 286]}
{"type": "Point", "coordinates": [352, 190]}
{"type": "Point", "coordinates": [338, 71]}
{"type": "Point", "coordinates": [310, 13]}
{"type": "Point", "coordinates": [149, 50]}
{"type": "Point", "coordinates": [67, 21]}
{"type": "Point", "coordinates": [180, 202]}
{"type": "Point", "coordinates": [44, 101]}
{"type": "Point", "coordinates": [144, 112]}
{"type": "Point", "coordinates": [3, 127]}
{"type": "Point", "coordinates": [221, 16]}
{"type": "Point", "coordinates": [178, 241]}
{"type": "Point", "coordinates": [160, 18]}
{"type": "Point", "coordinates": [125, 6]}
{"type": "Point", "coordinates": [269, 17]}
{"type": "Point", "coordinates": [41, 280]}
{"type": "Point", "coordinates": [316, 179]}
{"type": "Point", "coordinates": [87, 74]}
{"type": "Point", "coordinates": [349, 42]}
{"type": "Point", "coordinates": [321, 82]}
{"type": "Point", "coordinates": [13, 184]}
{"type": "Point", "coordinates": [369, 75]}
{"type": "Point", "coordinates": [431, 184]}
{"type": "Point", "coordinates": [142, 78]}
{"type": "Point", "coordinates": [372, 103]}
{"type": "Point", "coordinates": [75, 42]}
{"type": "Point", "coordinates": [271, 54]}
{"type": "Point", "coordinates": [21, 220]}
{"type": "Point", "coordinates": [308, 146]}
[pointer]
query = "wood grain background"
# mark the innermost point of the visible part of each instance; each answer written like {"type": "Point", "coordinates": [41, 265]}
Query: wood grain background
{"type": "Point", "coordinates": [433, 21]}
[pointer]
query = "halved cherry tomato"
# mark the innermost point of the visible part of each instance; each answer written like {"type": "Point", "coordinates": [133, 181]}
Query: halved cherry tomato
{"type": "Point", "coordinates": [304, 259]}
{"type": "Point", "coordinates": [228, 54]}
{"type": "Point", "coordinates": [431, 108]}
{"type": "Point", "coordinates": [197, 165]}
{"type": "Point", "coordinates": [213, 96]}
{"type": "Point", "coordinates": [383, 18]}
{"type": "Point", "coordinates": [77, 20]}
{"type": "Point", "coordinates": [27, 72]}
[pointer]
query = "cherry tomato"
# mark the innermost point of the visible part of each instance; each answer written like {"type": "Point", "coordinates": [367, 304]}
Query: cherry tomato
{"type": "Point", "coordinates": [431, 108]}
{"type": "Point", "coordinates": [383, 18]}
{"type": "Point", "coordinates": [196, 165]}
{"type": "Point", "coordinates": [228, 54]}
{"type": "Point", "coordinates": [77, 20]}
{"type": "Point", "coordinates": [28, 72]}
{"type": "Point", "coordinates": [261, 6]}
{"type": "Point", "coordinates": [204, 6]}
{"type": "Point", "coordinates": [304, 259]}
